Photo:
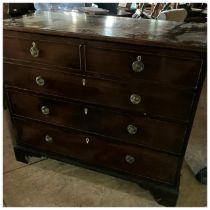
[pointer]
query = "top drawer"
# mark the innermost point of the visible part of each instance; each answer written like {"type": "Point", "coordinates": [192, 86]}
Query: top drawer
{"type": "Point", "coordinates": [42, 49]}
{"type": "Point", "coordinates": [159, 65]}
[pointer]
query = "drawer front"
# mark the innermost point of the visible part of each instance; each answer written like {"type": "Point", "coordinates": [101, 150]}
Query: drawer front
{"type": "Point", "coordinates": [159, 69]}
{"type": "Point", "coordinates": [51, 50]}
{"type": "Point", "coordinates": [128, 128]}
{"type": "Point", "coordinates": [99, 151]}
{"type": "Point", "coordinates": [151, 100]}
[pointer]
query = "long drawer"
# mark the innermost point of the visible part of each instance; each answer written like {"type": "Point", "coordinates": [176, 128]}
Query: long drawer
{"type": "Point", "coordinates": [46, 50]}
{"type": "Point", "coordinates": [133, 129]}
{"type": "Point", "coordinates": [158, 65]}
{"type": "Point", "coordinates": [98, 151]}
{"type": "Point", "coordinates": [153, 100]}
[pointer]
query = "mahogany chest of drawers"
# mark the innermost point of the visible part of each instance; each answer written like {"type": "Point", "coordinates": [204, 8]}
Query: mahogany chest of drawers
{"type": "Point", "coordinates": [116, 95]}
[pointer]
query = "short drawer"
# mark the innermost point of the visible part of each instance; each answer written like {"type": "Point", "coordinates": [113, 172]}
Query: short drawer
{"type": "Point", "coordinates": [98, 151]}
{"type": "Point", "coordinates": [44, 50]}
{"type": "Point", "coordinates": [133, 129]}
{"type": "Point", "coordinates": [158, 67]}
{"type": "Point", "coordinates": [152, 100]}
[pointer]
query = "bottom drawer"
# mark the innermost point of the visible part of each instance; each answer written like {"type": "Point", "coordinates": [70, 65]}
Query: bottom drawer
{"type": "Point", "coordinates": [98, 150]}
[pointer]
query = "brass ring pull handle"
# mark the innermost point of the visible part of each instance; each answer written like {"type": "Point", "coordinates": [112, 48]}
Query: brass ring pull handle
{"type": "Point", "coordinates": [129, 159]}
{"type": "Point", "coordinates": [132, 129]}
{"type": "Point", "coordinates": [48, 139]}
{"type": "Point", "coordinates": [45, 110]}
{"type": "Point", "coordinates": [138, 65]}
{"type": "Point", "coordinates": [34, 50]}
{"type": "Point", "coordinates": [39, 81]}
{"type": "Point", "coordinates": [135, 99]}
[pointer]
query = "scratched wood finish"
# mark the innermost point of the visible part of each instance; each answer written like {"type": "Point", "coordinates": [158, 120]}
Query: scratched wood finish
{"type": "Point", "coordinates": [99, 151]}
{"type": "Point", "coordinates": [150, 132]}
{"type": "Point", "coordinates": [179, 35]}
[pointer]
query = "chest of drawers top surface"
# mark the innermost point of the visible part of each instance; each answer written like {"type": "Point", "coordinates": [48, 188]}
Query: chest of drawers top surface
{"type": "Point", "coordinates": [180, 35]}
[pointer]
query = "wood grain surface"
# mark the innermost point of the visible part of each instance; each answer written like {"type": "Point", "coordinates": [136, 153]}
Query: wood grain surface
{"type": "Point", "coordinates": [171, 34]}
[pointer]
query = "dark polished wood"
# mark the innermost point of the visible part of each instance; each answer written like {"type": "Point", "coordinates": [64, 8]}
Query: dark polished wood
{"type": "Point", "coordinates": [115, 29]}
{"type": "Point", "coordinates": [56, 51]}
{"type": "Point", "coordinates": [150, 132]}
{"type": "Point", "coordinates": [87, 79]}
{"type": "Point", "coordinates": [164, 194]}
{"type": "Point", "coordinates": [156, 100]}
{"type": "Point", "coordinates": [99, 151]}
{"type": "Point", "coordinates": [159, 67]}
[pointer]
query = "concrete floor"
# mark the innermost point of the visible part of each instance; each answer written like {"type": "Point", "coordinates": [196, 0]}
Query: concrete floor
{"type": "Point", "coordinates": [49, 183]}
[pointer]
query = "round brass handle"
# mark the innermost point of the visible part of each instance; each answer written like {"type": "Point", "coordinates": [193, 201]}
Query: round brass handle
{"type": "Point", "coordinates": [135, 99]}
{"type": "Point", "coordinates": [34, 50]}
{"type": "Point", "coordinates": [129, 159]}
{"type": "Point", "coordinates": [138, 65]}
{"type": "Point", "coordinates": [132, 129]}
{"type": "Point", "coordinates": [48, 139]}
{"type": "Point", "coordinates": [45, 110]}
{"type": "Point", "coordinates": [39, 81]}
